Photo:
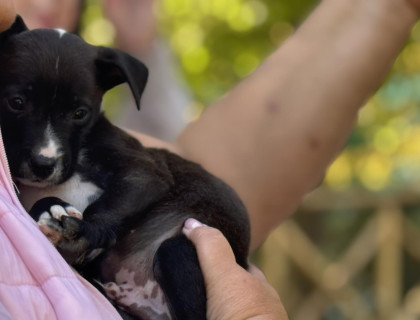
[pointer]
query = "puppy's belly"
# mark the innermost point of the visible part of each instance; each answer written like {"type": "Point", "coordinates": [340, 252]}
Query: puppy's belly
{"type": "Point", "coordinates": [143, 299]}
{"type": "Point", "coordinates": [75, 191]}
{"type": "Point", "coordinates": [129, 282]}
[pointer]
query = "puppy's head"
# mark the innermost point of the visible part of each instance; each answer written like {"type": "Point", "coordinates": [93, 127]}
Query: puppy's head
{"type": "Point", "coordinates": [51, 88]}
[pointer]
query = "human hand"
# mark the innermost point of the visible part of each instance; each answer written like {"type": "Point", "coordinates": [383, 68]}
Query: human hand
{"type": "Point", "coordinates": [7, 14]}
{"type": "Point", "coordinates": [232, 292]}
{"type": "Point", "coordinates": [134, 22]}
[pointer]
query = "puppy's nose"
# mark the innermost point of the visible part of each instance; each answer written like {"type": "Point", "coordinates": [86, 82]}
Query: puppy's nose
{"type": "Point", "coordinates": [42, 166]}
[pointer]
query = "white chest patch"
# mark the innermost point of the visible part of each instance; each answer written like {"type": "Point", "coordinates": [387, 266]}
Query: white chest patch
{"type": "Point", "coordinates": [74, 191]}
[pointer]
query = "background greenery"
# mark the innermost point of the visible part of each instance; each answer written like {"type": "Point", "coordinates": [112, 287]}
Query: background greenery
{"type": "Point", "coordinates": [219, 42]}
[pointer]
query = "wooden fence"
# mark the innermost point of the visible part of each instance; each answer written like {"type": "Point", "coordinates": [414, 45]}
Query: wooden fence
{"type": "Point", "coordinates": [368, 279]}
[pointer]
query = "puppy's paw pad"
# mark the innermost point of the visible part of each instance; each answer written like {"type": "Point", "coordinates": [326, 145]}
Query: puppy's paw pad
{"type": "Point", "coordinates": [58, 211]}
{"type": "Point", "coordinates": [50, 227]}
{"type": "Point", "coordinates": [46, 219]}
{"type": "Point", "coordinates": [56, 207]}
{"type": "Point", "coordinates": [73, 212]}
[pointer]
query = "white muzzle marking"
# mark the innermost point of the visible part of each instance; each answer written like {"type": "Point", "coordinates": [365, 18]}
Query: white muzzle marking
{"type": "Point", "coordinates": [51, 147]}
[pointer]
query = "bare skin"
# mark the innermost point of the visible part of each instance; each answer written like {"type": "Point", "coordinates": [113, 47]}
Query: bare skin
{"type": "Point", "coordinates": [62, 14]}
{"type": "Point", "coordinates": [7, 14]}
{"type": "Point", "coordinates": [222, 274]}
{"type": "Point", "coordinates": [134, 21]}
{"type": "Point", "coordinates": [273, 136]}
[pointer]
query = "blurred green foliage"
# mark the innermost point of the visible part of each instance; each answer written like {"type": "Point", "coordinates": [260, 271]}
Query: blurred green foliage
{"type": "Point", "coordinates": [220, 42]}
{"type": "Point", "coordinates": [217, 43]}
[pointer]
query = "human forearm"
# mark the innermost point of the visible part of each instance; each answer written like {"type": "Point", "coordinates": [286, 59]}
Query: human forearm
{"type": "Point", "coordinates": [134, 22]}
{"type": "Point", "coordinates": [274, 135]}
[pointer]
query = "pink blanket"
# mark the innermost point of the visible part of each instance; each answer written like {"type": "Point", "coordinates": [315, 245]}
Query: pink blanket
{"type": "Point", "coordinates": [35, 282]}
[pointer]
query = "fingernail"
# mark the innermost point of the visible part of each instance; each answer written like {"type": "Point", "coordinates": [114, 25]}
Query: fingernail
{"type": "Point", "coordinates": [191, 224]}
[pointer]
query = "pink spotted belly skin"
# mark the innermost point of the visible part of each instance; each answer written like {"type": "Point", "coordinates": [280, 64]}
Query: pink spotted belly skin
{"type": "Point", "coordinates": [128, 280]}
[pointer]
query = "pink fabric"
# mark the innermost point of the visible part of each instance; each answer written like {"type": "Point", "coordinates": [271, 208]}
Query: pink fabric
{"type": "Point", "coordinates": [35, 282]}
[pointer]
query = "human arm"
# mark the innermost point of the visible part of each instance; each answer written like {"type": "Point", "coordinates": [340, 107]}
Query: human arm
{"type": "Point", "coordinates": [7, 14]}
{"type": "Point", "coordinates": [273, 136]}
{"type": "Point", "coordinates": [232, 292]}
{"type": "Point", "coordinates": [135, 23]}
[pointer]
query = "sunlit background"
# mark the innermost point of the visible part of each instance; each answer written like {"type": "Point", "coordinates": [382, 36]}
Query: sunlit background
{"type": "Point", "coordinates": [352, 251]}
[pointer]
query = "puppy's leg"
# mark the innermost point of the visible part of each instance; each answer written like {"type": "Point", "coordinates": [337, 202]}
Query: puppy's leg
{"type": "Point", "coordinates": [177, 270]}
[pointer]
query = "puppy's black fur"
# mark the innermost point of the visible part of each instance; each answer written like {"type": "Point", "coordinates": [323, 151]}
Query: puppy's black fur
{"type": "Point", "coordinates": [134, 199]}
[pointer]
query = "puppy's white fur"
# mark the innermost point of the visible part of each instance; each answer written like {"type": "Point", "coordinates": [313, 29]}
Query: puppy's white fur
{"type": "Point", "coordinates": [50, 148]}
{"type": "Point", "coordinates": [61, 32]}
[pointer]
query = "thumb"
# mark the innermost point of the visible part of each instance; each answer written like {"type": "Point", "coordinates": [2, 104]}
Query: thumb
{"type": "Point", "coordinates": [213, 250]}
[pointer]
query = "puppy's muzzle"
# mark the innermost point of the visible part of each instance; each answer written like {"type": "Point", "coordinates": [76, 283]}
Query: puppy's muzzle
{"type": "Point", "coordinates": [42, 166]}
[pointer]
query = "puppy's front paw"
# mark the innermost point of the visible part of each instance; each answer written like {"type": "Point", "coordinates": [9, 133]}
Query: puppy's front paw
{"type": "Point", "coordinates": [62, 224]}
{"type": "Point", "coordinates": [74, 245]}
{"type": "Point", "coordinates": [48, 213]}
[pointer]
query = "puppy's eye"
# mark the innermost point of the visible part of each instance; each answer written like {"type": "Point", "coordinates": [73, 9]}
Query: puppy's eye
{"type": "Point", "coordinates": [80, 114]}
{"type": "Point", "coordinates": [16, 104]}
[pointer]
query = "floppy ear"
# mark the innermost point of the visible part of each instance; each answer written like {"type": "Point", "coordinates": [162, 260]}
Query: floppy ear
{"type": "Point", "coordinates": [17, 27]}
{"type": "Point", "coordinates": [115, 67]}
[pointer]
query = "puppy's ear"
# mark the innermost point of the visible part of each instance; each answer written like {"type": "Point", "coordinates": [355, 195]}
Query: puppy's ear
{"type": "Point", "coordinates": [115, 67]}
{"type": "Point", "coordinates": [17, 27]}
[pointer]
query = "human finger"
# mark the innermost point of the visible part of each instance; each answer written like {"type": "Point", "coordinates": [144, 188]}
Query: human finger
{"type": "Point", "coordinates": [257, 273]}
{"type": "Point", "coordinates": [214, 252]}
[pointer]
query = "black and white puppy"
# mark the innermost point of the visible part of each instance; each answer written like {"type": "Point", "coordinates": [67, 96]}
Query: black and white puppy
{"type": "Point", "coordinates": [131, 201]}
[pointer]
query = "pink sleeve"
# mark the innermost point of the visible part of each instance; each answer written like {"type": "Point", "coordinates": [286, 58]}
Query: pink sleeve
{"type": "Point", "coordinates": [35, 281]}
